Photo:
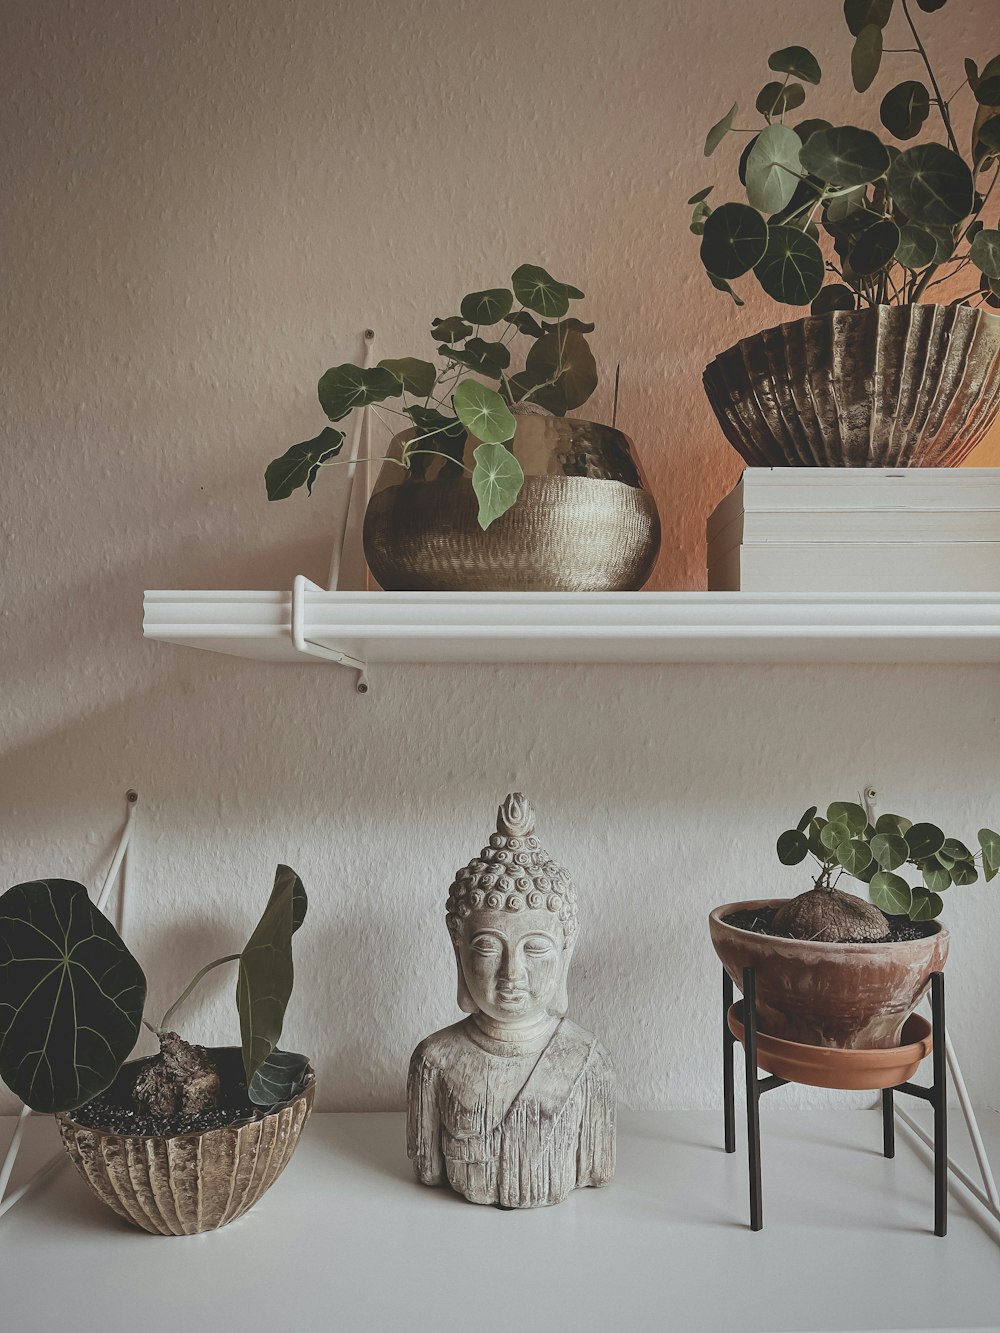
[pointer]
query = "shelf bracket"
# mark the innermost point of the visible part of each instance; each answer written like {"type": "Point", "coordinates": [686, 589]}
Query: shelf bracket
{"type": "Point", "coordinates": [310, 649]}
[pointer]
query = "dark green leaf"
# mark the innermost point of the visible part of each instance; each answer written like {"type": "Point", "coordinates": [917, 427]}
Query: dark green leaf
{"type": "Point", "coordinates": [890, 850]}
{"type": "Point", "coordinates": [719, 130]}
{"type": "Point", "coordinates": [925, 906]}
{"type": "Point", "coordinates": [875, 247]}
{"type": "Point", "coordinates": [776, 98]}
{"type": "Point", "coordinates": [734, 241]}
{"type": "Point", "coordinates": [483, 412]}
{"type": "Point", "coordinates": [932, 185]}
{"type": "Point", "coordinates": [833, 833]}
{"type": "Point", "coordinates": [916, 247]}
{"type": "Point", "coordinates": [806, 819]}
{"type": "Point", "coordinates": [860, 13]}
{"type": "Point", "coordinates": [281, 1077]}
{"type": "Point", "coordinates": [701, 195]}
{"type": "Point", "coordinates": [854, 855]}
{"type": "Point", "coordinates": [488, 358]}
{"type": "Point", "coordinates": [301, 463]}
{"type": "Point", "coordinates": [971, 72]}
{"type": "Point", "coordinates": [796, 61]}
{"type": "Point", "coordinates": [71, 995]}
{"type": "Point", "coordinates": [563, 364]}
{"type": "Point", "coordinates": [866, 56]}
{"type": "Point", "coordinates": [937, 877]}
{"type": "Point", "coordinates": [849, 813]}
{"type": "Point", "coordinates": [806, 128]}
{"type": "Point", "coordinates": [839, 208]}
{"type": "Point", "coordinates": [435, 431]}
{"type": "Point", "coordinates": [266, 976]}
{"type": "Point", "coordinates": [944, 243]}
{"type": "Point", "coordinates": [497, 480]}
{"type": "Point", "coordinates": [890, 893]}
{"type": "Point", "coordinates": [792, 268]}
{"type": "Point", "coordinates": [892, 824]}
{"type": "Point", "coordinates": [845, 155]}
{"type": "Point", "coordinates": [988, 134]}
{"type": "Point", "coordinates": [450, 330]}
{"type": "Point", "coordinates": [488, 307]}
{"type": "Point", "coordinates": [964, 872]}
{"type": "Point", "coordinates": [698, 218]}
{"type": "Point", "coordinates": [346, 387]}
{"type": "Point", "coordinates": [416, 377]}
{"type": "Point", "coordinates": [773, 169]}
{"type": "Point", "coordinates": [834, 297]}
{"type": "Point", "coordinates": [570, 325]}
{"type": "Point", "coordinates": [952, 850]}
{"type": "Point", "coordinates": [990, 844]}
{"type": "Point", "coordinates": [300, 903]}
{"type": "Point", "coordinates": [540, 292]}
{"type": "Point", "coordinates": [988, 91]}
{"type": "Point", "coordinates": [525, 322]}
{"type": "Point", "coordinates": [986, 252]}
{"type": "Point", "coordinates": [923, 840]}
{"type": "Point", "coordinates": [905, 108]}
{"type": "Point", "coordinates": [929, 6]}
{"type": "Point", "coordinates": [721, 285]}
{"type": "Point", "coordinates": [793, 847]}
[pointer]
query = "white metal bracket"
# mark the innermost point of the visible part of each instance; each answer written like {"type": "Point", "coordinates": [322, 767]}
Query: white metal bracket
{"type": "Point", "coordinates": [119, 862]}
{"type": "Point", "coordinates": [352, 571]}
{"type": "Point", "coordinates": [310, 649]}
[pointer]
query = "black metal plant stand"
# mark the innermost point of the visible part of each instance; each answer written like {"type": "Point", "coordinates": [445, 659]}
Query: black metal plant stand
{"type": "Point", "coordinates": [935, 1095]}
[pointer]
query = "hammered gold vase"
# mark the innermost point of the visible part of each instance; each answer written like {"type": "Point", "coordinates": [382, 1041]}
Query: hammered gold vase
{"type": "Point", "coordinates": [583, 522]}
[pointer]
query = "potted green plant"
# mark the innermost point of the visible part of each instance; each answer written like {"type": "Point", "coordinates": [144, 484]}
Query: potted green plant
{"type": "Point", "coordinates": [833, 969]}
{"type": "Point", "coordinates": [491, 486]}
{"type": "Point", "coordinates": [864, 232]}
{"type": "Point", "coordinates": [185, 1141]}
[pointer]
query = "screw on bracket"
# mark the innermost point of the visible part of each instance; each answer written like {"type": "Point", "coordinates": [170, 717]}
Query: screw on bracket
{"type": "Point", "coordinates": [131, 796]}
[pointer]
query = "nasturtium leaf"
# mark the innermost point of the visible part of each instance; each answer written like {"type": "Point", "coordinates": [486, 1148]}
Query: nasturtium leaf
{"type": "Point", "coordinates": [416, 377]}
{"type": "Point", "coordinates": [300, 464]}
{"type": "Point", "coordinates": [497, 480]}
{"type": "Point", "coordinates": [489, 358]}
{"type": "Point", "coordinates": [890, 893]}
{"type": "Point", "coordinates": [563, 368]}
{"type": "Point", "coordinates": [450, 330]}
{"type": "Point", "coordinates": [346, 387]}
{"type": "Point", "coordinates": [734, 240]}
{"type": "Point", "coordinates": [702, 195]}
{"type": "Point", "coordinates": [988, 134]}
{"type": "Point", "coordinates": [866, 56]}
{"type": "Point", "coordinates": [916, 247]}
{"type": "Point", "coordinates": [860, 13]}
{"type": "Point", "coordinates": [945, 241]}
{"type": "Point", "coordinates": [806, 819]}
{"type": "Point", "coordinates": [925, 905]}
{"type": "Point", "coordinates": [937, 877]}
{"type": "Point", "coordinates": [905, 108]}
{"type": "Point", "coordinates": [806, 128]}
{"type": "Point", "coordinates": [71, 995]}
{"type": "Point", "coordinates": [719, 130]}
{"type": "Point", "coordinates": [923, 840]}
{"type": "Point", "coordinates": [850, 813]}
{"type": "Point", "coordinates": [989, 842]}
{"type": "Point", "coordinates": [892, 824]}
{"type": "Point", "coordinates": [540, 292]}
{"type": "Point", "coordinates": [570, 325]}
{"type": "Point", "coordinates": [721, 285]}
{"type": "Point", "coordinates": [833, 833]}
{"type": "Point", "coordinates": [265, 978]}
{"type": "Point", "coordinates": [488, 307]}
{"type": "Point", "coordinates": [435, 431]}
{"type": "Point", "coordinates": [985, 252]}
{"type": "Point", "coordinates": [854, 855]}
{"type": "Point", "coordinates": [890, 850]}
{"type": "Point", "coordinates": [932, 185]}
{"type": "Point", "coordinates": [792, 269]}
{"type": "Point", "coordinates": [845, 155]}
{"type": "Point", "coordinates": [525, 322]}
{"type": "Point", "coordinates": [699, 216]}
{"type": "Point", "coordinates": [929, 6]}
{"type": "Point", "coordinates": [845, 202]}
{"type": "Point", "coordinates": [776, 98]}
{"type": "Point", "coordinates": [964, 872]}
{"type": "Point", "coordinates": [834, 297]}
{"type": "Point", "coordinates": [874, 247]}
{"type": "Point", "coordinates": [952, 850]}
{"type": "Point", "coordinates": [283, 1075]}
{"type": "Point", "coordinates": [483, 412]}
{"type": "Point", "coordinates": [796, 61]}
{"type": "Point", "coordinates": [773, 168]}
{"type": "Point", "coordinates": [792, 847]}
{"type": "Point", "coordinates": [987, 90]}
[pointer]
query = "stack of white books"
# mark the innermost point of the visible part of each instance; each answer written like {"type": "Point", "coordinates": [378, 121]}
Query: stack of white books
{"type": "Point", "coordinates": [858, 530]}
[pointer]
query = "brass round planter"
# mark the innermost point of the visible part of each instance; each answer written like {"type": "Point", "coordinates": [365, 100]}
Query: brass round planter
{"type": "Point", "coordinates": [891, 386]}
{"type": "Point", "coordinates": [183, 1184]}
{"type": "Point", "coordinates": [583, 522]}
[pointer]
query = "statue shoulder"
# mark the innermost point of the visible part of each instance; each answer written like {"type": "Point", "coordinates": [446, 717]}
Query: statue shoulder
{"type": "Point", "coordinates": [598, 1058]}
{"type": "Point", "coordinates": [441, 1049]}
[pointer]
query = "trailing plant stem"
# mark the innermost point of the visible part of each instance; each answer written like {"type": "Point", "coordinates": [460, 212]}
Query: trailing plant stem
{"type": "Point", "coordinates": [941, 103]}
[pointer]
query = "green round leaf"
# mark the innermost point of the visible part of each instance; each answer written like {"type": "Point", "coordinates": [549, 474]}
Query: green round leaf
{"type": "Point", "coordinates": [719, 130]}
{"type": "Point", "coordinates": [930, 6]}
{"type": "Point", "coordinates": [923, 840]}
{"type": "Point", "coordinates": [890, 850]}
{"type": "Point", "coordinates": [986, 252]}
{"type": "Point", "coordinates": [988, 134]}
{"type": "Point", "coordinates": [346, 387]}
{"type": "Point", "coordinates": [488, 307]}
{"type": "Point", "coordinates": [859, 13]}
{"type": "Point", "coordinates": [989, 842]}
{"type": "Point", "coordinates": [570, 325]}
{"type": "Point", "coordinates": [776, 98]}
{"type": "Point", "coordinates": [845, 155]}
{"type": "Point", "coordinates": [435, 431]}
{"type": "Point", "coordinates": [905, 108]}
{"type": "Point", "coordinates": [833, 833]}
{"type": "Point", "coordinates": [806, 819]}
{"type": "Point", "coordinates": [773, 168]}
{"type": "Point", "coordinates": [450, 330]}
{"type": "Point", "coordinates": [987, 91]}
{"type": "Point", "coordinates": [792, 269]}
{"type": "Point", "coordinates": [925, 906]}
{"type": "Point", "coordinates": [483, 412]}
{"type": "Point", "coordinates": [849, 813]}
{"type": "Point", "coordinates": [540, 292]}
{"type": "Point", "coordinates": [734, 240]}
{"type": "Point", "coordinates": [489, 358]}
{"type": "Point", "coordinates": [952, 850]}
{"type": "Point", "coordinates": [793, 846]}
{"type": "Point", "coordinates": [866, 56]}
{"type": "Point", "coordinates": [916, 248]}
{"type": "Point", "coordinates": [834, 297]}
{"type": "Point", "coordinates": [71, 995]}
{"type": "Point", "coordinates": [932, 185]}
{"type": "Point", "coordinates": [416, 377]}
{"type": "Point", "coordinates": [300, 464]}
{"type": "Point", "coordinates": [796, 61]}
{"type": "Point", "coordinates": [964, 872]}
{"type": "Point", "coordinates": [892, 824]}
{"type": "Point", "coordinates": [563, 368]}
{"type": "Point", "coordinates": [524, 322]}
{"type": "Point", "coordinates": [805, 129]}
{"type": "Point", "coordinates": [937, 877]}
{"type": "Point", "coordinates": [890, 893]}
{"type": "Point", "coordinates": [854, 855]}
{"type": "Point", "coordinates": [497, 480]}
{"type": "Point", "coordinates": [874, 248]}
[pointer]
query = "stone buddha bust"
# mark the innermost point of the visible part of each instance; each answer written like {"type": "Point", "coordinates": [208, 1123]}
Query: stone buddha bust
{"type": "Point", "coordinates": [515, 1104]}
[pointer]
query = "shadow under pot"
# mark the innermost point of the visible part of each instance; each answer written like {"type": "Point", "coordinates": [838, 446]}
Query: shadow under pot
{"type": "Point", "coordinates": [186, 1183]}
{"type": "Point", "coordinates": [583, 522]}
{"type": "Point", "coordinates": [849, 996]}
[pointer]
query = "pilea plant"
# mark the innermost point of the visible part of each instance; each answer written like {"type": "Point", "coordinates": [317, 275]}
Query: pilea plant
{"type": "Point", "coordinates": [847, 842]}
{"type": "Point", "coordinates": [443, 403]}
{"type": "Point", "coordinates": [899, 222]}
{"type": "Point", "coordinates": [72, 998]}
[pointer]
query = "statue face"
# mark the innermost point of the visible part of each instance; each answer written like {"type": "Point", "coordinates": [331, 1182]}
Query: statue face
{"type": "Point", "coordinates": [512, 962]}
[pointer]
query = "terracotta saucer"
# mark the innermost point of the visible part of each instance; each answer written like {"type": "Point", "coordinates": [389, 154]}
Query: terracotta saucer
{"type": "Point", "coordinates": [831, 1067]}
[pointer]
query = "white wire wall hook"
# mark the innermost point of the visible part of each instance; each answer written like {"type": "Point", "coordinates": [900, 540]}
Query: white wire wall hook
{"type": "Point", "coordinates": [119, 863]}
{"type": "Point", "coordinates": [358, 469]}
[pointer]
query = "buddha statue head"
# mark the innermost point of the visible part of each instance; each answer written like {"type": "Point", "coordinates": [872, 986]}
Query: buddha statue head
{"type": "Point", "coordinates": [512, 920]}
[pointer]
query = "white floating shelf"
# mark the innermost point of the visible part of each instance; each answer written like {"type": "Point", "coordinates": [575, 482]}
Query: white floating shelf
{"type": "Point", "coordinates": [362, 628]}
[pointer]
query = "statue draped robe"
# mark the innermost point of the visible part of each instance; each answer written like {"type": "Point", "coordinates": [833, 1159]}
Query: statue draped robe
{"type": "Point", "coordinates": [511, 1125]}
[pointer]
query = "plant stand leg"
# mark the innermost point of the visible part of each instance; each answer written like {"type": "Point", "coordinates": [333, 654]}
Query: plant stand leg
{"type": "Point", "coordinates": [753, 1096]}
{"type": "Point", "coordinates": [940, 1104]}
{"type": "Point", "coordinates": [888, 1124]}
{"type": "Point", "coordinates": [728, 1080]}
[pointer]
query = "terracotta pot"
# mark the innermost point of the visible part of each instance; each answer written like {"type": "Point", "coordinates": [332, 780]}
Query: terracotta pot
{"type": "Point", "coordinates": [828, 1067]}
{"type": "Point", "coordinates": [583, 522]}
{"type": "Point", "coordinates": [891, 386]}
{"type": "Point", "coordinates": [183, 1184]}
{"type": "Point", "coordinates": [850, 996]}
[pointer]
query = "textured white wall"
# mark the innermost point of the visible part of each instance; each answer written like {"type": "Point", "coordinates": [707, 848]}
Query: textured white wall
{"type": "Point", "coordinates": [205, 202]}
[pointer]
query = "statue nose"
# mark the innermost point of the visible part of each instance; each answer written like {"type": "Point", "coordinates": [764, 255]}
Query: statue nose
{"type": "Point", "coordinates": [512, 966]}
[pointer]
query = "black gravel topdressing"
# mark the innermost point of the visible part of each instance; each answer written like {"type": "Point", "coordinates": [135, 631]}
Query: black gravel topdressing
{"type": "Point", "coordinates": [113, 1111]}
{"type": "Point", "coordinates": [758, 920]}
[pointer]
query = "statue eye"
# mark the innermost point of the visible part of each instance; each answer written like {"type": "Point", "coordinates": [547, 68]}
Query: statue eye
{"type": "Point", "coordinates": [486, 944]}
{"type": "Point", "coordinates": [537, 947]}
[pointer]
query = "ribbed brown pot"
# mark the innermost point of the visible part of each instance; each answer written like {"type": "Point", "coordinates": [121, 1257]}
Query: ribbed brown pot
{"type": "Point", "coordinates": [187, 1183]}
{"type": "Point", "coordinates": [583, 522]}
{"type": "Point", "coordinates": [891, 386]}
{"type": "Point", "coordinates": [854, 996]}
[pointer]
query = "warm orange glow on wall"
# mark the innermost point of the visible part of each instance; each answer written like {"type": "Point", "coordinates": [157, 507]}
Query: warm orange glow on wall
{"type": "Point", "coordinates": [988, 453]}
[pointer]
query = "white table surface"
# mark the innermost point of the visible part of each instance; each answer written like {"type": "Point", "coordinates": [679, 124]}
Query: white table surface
{"type": "Point", "coordinates": [346, 1240]}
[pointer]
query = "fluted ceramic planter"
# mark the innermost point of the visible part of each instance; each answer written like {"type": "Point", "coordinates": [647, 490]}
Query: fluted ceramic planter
{"type": "Point", "coordinates": [583, 522]}
{"type": "Point", "coordinates": [851, 996]}
{"type": "Point", "coordinates": [890, 386]}
{"type": "Point", "coordinates": [183, 1184]}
